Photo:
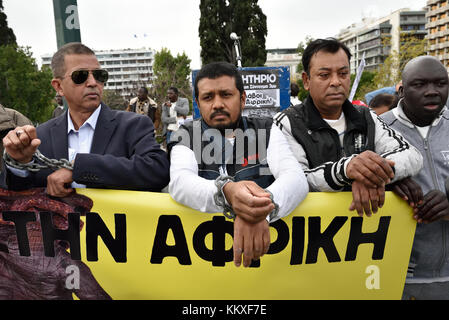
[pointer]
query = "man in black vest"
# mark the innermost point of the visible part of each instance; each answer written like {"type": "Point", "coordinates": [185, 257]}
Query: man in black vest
{"type": "Point", "coordinates": [243, 167]}
{"type": "Point", "coordinates": [340, 146]}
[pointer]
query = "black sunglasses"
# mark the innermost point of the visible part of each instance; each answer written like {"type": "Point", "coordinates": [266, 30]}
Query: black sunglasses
{"type": "Point", "coordinates": [80, 76]}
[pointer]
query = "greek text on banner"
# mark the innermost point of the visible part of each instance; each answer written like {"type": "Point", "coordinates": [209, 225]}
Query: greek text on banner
{"type": "Point", "coordinates": [320, 251]}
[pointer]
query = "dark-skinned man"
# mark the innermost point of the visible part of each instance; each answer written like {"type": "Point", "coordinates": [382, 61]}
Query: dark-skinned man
{"type": "Point", "coordinates": [143, 104]}
{"type": "Point", "coordinates": [258, 186]}
{"type": "Point", "coordinates": [342, 147]}
{"type": "Point", "coordinates": [10, 119]}
{"type": "Point", "coordinates": [423, 119]}
{"type": "Point", "coordinates": [174, 109]}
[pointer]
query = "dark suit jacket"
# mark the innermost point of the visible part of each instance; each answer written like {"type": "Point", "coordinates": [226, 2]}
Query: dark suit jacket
{"type": "Point", "coordinates": [124, 154]}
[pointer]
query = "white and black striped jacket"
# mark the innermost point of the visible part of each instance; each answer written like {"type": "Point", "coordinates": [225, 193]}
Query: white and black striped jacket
{"type": "Point", "coordinates": [317, 146]}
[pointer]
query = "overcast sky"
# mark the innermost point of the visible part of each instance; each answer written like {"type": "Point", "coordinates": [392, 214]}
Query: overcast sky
{"type": "Point", "coordinates": [112, 24]}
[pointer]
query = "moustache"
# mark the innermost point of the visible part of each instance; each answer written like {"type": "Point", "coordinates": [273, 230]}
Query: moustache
{"type": "Point", "coordinates": [218, 113]}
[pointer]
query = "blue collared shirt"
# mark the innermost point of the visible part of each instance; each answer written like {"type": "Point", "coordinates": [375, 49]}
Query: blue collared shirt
{"type": "Point", "coordinates": [79, 141]}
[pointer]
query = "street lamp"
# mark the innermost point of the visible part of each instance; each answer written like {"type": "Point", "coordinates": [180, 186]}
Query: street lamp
{"type": "Point", "coordinates": [237, 47]}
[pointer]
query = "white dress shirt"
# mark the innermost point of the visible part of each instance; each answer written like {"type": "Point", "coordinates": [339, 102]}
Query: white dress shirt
{"type": "Point", "coordinates": [173, 114]}
{"type": "Point", "coordinates": [80, 141]}
{"type": "Point", "coordinates": [289, 188]}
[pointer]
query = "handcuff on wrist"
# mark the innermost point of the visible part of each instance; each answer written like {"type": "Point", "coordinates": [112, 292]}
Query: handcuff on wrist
{"type": "Point", "coordinates": [219, 197]}
{"type": "Point", "coordinates": [228, 212]}
{"type": "Point", "coordinates": [275, 211]}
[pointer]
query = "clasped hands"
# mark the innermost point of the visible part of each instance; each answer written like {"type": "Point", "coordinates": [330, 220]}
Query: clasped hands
{"type": "Point", "coordinates": [370, 173]}
{"type": "Point", "coordinates": [427, 208]}
{"type": "Point", "coordinates": [252, 205]}
{"type": "Point", "coordinates": [21, 144]}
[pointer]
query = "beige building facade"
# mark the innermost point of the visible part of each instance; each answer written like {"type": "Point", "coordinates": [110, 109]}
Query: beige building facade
{"type": "Point", "coordinates": [371, 36]}
{"type": "Point", "coordinates": [438, 29]}
{"type": "Point", "coordinates": [284, 58]}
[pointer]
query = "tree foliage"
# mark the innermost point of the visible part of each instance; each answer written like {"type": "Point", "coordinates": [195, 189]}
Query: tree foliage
{"type": "Point", "coordinates": [303, 93]}
{"type": "Point", "coordinates": [6, 34]}
{"type": "Point", "coordinates": [170, 71]}
{"type": "Point", "coordinates": [301, 48]}
{"type": "Point", "coordinates": [114, 100]}
{"type": "Point", "coordinates": [23, 86]}
{"type": "Point", "coordinates": [390, 72]}
{"type": "Point", "coordinates": [219, 18]}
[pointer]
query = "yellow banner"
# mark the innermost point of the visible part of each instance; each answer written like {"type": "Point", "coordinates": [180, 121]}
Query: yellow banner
{"type": "Point", "coordinates": [158, 249]}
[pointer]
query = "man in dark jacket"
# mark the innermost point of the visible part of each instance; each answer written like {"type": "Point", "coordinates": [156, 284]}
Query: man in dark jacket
{"type": "Point", "coordinates": [10, 119]}
{"type": "Point", "coordinates": [174, 111]}
{"type": "Point", "coordinates": [59, 109]}
{"type": "Point", "coordinates": [143, 104]}
{"type": "Point", "coordinates": [107, 148]}
{"type": "Point", "coordinates": [341, 146]}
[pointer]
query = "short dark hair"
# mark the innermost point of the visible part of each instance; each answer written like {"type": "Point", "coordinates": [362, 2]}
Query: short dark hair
{"type": "Point", "coordinates": [144, 89]}
{"type": "Point", "coordinates": [174, 89]}
{"type": "Point", "coordinates": [215, 70]}
{"type": "Point", "coordinates": [294, 89]}
{"type": "Point", "coordinates": [330, 45]}
{"type": "Point", "coordinates": [58, 60]}
{"type": "Point", "coordinates": [384, 99]}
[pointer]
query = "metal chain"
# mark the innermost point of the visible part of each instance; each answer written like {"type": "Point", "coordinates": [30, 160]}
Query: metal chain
{"type": "Point", "coordinates": [33, 166]}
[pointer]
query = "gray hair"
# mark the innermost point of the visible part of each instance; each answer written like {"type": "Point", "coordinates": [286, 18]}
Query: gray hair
{"type": "Point", "coordinates": [58, 60]}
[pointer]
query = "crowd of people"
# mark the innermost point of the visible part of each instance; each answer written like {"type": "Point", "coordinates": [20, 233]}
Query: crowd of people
{"type": "Point", "coordinates": [255, 170]}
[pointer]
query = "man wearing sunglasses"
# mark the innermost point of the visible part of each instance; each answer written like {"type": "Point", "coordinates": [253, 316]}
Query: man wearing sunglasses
{"type": "Point", "coordinates": [108, 149]}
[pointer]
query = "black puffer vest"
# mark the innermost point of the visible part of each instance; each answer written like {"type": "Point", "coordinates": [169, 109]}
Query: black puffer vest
{"type": "Point", "coordinates": [320, 142]}
{"type": "Point", "coordinates": [246, 159]}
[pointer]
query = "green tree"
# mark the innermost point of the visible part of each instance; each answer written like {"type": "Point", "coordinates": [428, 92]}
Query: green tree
{"type": "Point", "coordinates": [114, 100]}
{"type": "Point", "coordinates": [303, 93]}
{"type": "Point", "coordinates": [301, 48]}
{"type": "Point", "coordinates": [6, 34]}
{"type": "Point", "coordinates": [170, 71]}
{"type": "Point", "coordinates": [23, 86]}
{"type": "Point", "coordinates": [219, 18]}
